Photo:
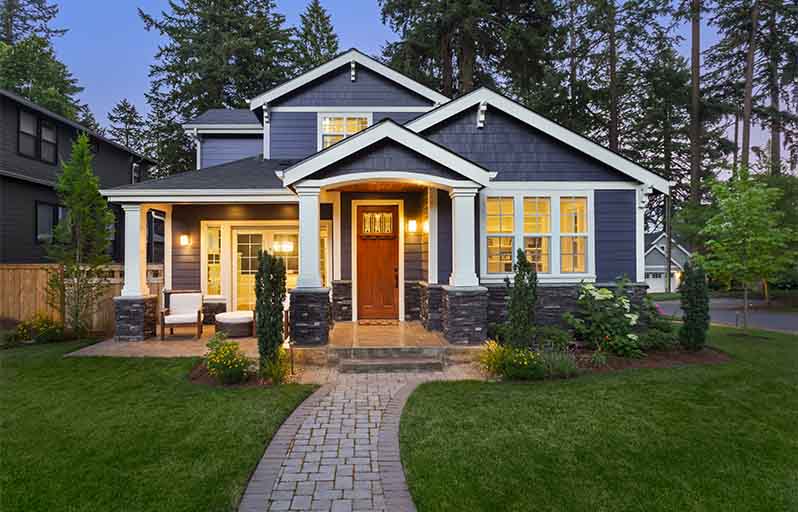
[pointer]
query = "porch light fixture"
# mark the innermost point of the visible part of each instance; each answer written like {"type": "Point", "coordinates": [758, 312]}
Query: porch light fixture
{"type": "Point", "coordinates": [412, 226]}
{"type": "Point", "coordinates": [185, 240]}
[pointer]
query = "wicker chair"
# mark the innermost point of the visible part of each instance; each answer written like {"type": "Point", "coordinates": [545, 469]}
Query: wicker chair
{"type": "Point", "coordinates": [185, 309]}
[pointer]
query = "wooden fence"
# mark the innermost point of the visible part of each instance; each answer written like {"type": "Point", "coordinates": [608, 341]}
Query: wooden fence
{"type": "Point", "coordinates": [23, 293]}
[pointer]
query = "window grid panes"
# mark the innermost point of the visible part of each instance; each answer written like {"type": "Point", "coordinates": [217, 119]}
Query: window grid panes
{"type": "Point", "coordinates": [573, 215]}
{"type": "Point", "coordinates": [500, 254]}
{"type": "Point", "coordinates": [377, 223]}
{"type": "Point", "coordinates": [573, 254]}
{"type": "Point", "coordinates": [48, 142]}
{"type": "Point", "coordinates": [500, 215]}
{"type": "Point", "coordinates": [336, 128]}
{"type": "Point", "coordinates": [536, 249]}
{"type": "Point", "coordinates": [214, 246]}
{"type": "Point", "coordinates": [247, 247]}
{"type": "Point", "coordinates": [537, 215]}
{"type": "Point", "coordinates": [27, 134]}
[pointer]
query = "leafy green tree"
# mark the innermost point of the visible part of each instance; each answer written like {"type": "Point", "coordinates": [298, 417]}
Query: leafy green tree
{"type": "Point", "coordinates": [315, 41]}
{"type": "Point", "coordinates": [31, 69]}
{"type": "Point", "coordinates": [270, 294]}
{"type": "Point", "coordinates": [20, 19]}
{"type": "Point", "coordinates": [695, 306]}
{"type": "Point", "coordinates": [127, 125]}
{"type": "Point", "coordinates": [747, 240]}
{"type": "Point", "coordinates": [520, 326]}
{"type": "Point", "coordinates": [80, 243]}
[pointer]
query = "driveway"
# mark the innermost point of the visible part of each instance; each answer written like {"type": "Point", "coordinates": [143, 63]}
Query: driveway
{"type": "Point", "coordinates": [730, 312]}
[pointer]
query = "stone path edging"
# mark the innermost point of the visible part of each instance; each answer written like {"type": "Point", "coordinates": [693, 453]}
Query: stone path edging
{"type": "Point", "coordinates": [265, 475]}
{"type": "Point", "coordinates": [392, 474]}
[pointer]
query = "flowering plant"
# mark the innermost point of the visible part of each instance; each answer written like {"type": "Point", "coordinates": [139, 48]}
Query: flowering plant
{"type": "Point", "coordinates": [225, 360]}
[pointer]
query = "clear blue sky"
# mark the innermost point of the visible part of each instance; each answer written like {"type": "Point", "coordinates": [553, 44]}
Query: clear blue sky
{"type": "Point", "coordinates": [109, 51]}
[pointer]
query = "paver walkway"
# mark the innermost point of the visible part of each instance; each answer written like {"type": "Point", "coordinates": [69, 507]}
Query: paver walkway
{"type": "Point", "coordinates": [339, 450]}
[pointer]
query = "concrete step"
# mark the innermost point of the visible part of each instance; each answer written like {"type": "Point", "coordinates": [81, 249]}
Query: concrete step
{"type": "Point", "coordinates": [336, 354]}
{"type": "Point", "coordinates": [393, 364]}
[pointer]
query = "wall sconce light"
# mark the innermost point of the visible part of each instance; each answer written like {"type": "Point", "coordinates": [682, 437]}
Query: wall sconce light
{"type": "Point", "coordinates": [426, 226]}
{"type": "Point", "coordinates": [185, 240]}
{"type": "Point", "coordinates": [412, 226]}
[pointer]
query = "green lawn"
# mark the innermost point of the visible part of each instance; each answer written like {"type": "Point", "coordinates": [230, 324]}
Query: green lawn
{"type": "Point", "coordinates": [127, 434]}
{"type": "Point", "coordinates": [694, 438]}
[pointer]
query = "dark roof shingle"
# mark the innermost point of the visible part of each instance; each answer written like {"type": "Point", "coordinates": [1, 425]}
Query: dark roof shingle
{"type": "Point", "coordinates": [225, 116]}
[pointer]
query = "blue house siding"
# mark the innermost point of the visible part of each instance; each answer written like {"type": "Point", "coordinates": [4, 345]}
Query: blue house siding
{"type": "Point", "coordinates": [220, 150]}
{"type": "Point", "coordinates": [293, 134]}
{"type": "Point", "coordinates": [615, 234]}
{"type": "Point", "coordinates": [517, 151]}
{"type": "Point", "coordinates": [397, 117]}
{"type": "Point", "coordinates": [337, 89]}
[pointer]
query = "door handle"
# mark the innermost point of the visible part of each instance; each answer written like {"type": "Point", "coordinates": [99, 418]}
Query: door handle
{"type": "Point", "coordinates": [396, 277]}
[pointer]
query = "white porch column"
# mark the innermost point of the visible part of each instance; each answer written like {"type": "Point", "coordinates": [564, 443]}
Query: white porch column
{"type": "Point", "coordinates": [135, 251]}
{"type": "Point", "coordinates": [463, 241]}
{"type": "Point", "coordinates": [309, 255]}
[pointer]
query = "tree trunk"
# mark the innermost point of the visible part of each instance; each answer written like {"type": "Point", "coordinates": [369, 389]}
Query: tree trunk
{"type": "Point", "coordinates": [736, 143]}
{"type": "Point", "coordinates": [613, 85]}
{"type": "Point", "coordinates": [8, 11]}
{"type": "Point", "coordinates": [766, 292]}
{"type": "Point", "coordinates": [668, 252]}
{"type": "Point", "coordinates": [775, 100]}
{"type": "Point", "coordinates": [695, 104]}
{"type": "Point", "coordinates": [749, 86]}
{"type": "Point", "coordinates": [467, 57]}
{"type": "Point", "coordinates": [572, 63]}
{"type": "Point", "coordinates": [745, 306]}
{"type": "Point", "coordinates": [445, 56]}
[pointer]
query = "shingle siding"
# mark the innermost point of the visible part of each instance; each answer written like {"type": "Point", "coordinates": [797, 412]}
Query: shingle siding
{"type": "Point", "coordinates": [220, 150]}
{"type": "Point", "coordinates": [615, 234]}
{"type": "Point", "coordinates": [293, 134]}
{"type": "Point", "coordinates": [337, 89]}
{"type": "Point", "coordinates": [516, 151]}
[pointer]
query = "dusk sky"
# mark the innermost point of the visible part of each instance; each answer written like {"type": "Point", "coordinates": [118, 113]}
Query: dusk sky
{"type": "Point", "coordinates": [109, 51]}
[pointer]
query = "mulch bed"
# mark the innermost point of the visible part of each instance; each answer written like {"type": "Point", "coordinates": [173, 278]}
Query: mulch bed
{"type": "Point", "coordinates": [199, 375]}
{"type": "Point", "coordinates": [666, 359]}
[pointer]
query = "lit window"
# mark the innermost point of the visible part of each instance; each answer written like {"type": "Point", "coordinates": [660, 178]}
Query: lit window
{"type": "Point", "coordinates": [500, 254]}
{"type": "Point", "coordinates": [573, 215]}
{"type": "Point", "coordinates": [336, 128]}
{"type": "Point", "coordinates": [286, 247]}
{"type": "Point", "coordinates": [500, 215]}
{"type": "Point", "coordinates": [573, 250]}
{"type": "Point", "coordinates": [573, 230]}
{"type": "Point", "coordinates": [537, 215]}
{"type": "Point", "coordinates": [214, 247]}
{"type": "Point", "coordinates": [377, 223]}
{"type": "Point", "coordinates": [536, 249]}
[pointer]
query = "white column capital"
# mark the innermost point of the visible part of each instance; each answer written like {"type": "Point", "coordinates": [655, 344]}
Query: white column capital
{"type": "Point", "coordinates": [308, 191]}
{"type": "Point", "coordinates": [463, 192]}
{"type": "Point", "coordinates": [131, 207]}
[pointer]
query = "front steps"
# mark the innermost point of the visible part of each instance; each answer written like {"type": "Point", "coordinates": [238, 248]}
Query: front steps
{"type": "Point", "coordinates": [386, 359]}
{"type": "Point", "coordinates": [390, 365]}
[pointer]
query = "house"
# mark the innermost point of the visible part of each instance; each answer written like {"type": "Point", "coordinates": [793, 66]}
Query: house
{"type": "Point", "coordinates": [656, 258]}
{"type": "Point", "coordinates": [387, 201]}
{"type": "Point", "coordinates": [33, 143]}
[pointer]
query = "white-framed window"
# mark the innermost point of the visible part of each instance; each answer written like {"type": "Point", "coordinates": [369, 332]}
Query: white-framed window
{"type": "Point", "coordinates": [336, 126]}
{"type": "Point", "coordinates": [500, 225]}
{"type": "Point", "coordinates": [553, 227]}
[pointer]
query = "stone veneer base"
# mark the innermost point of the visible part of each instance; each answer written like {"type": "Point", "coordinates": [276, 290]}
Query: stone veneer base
{"type": "Point", "coordinates": [342, 301]}
{"type": "Point", "coordinates": [431, 305]}
{"type": "Point", "coordinates": [135, 317]}
{"type": "Point", "coordinates": [465, 314]}
{"type": "Point", "coordinates": [310, 316]}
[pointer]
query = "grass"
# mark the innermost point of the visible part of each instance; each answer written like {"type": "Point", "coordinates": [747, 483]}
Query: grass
{"type": "Point", "coordinates": [693, 438]}
{"type": "Point", "coordinates": [664, 296]}
{"type": "Point", "coordinates": [127, 434]}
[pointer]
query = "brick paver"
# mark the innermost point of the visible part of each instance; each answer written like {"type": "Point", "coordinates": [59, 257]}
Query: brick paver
{"type": "Point", "coordinates": [339, 450]}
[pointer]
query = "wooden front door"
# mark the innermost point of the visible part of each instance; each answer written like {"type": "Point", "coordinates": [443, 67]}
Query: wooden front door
{"type": "Point", "coordinates": [377, 262]}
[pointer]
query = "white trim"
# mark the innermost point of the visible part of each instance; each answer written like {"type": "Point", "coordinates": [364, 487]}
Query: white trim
{"type": "Point", "coordinates": [353, 224]}
{"type": "Point", "coordinates": [432, 236]}
{"type": "Point", "coordinates": [279, 195]}
{"type": "Point", "coordinates": [267, 138]}
{"type": "Point", "coordinates": [548, 127]}
{"type": "Point", "coordinates": [560, 185]}
{"type": "Point", "coordinates": [555, 274]}
{"type": "Point", "coordinates": [673, 243]}
{"type": "Point", "coordinates": [372, 109]}
{"type": "Point", "coordinates": [135, 280]}
{"type": "Point", "coordinates": [309, 230]}
{"type": "Point", "coordinates": [640, 236]}
{"type": "Point", "coordinates": [463, 242]}
{"type": "Point", "coordinates": [336, 202]}
{"type": "Point", "coordinates": [342, 60]}
{"type": "Point", "coordinates": [673, 261]}
{"type": "Point", "coordinates": [413, 177]}
{"type": "Point", "coordinates": [349, 113]}
{"type": "Point", "coordinates": [385, 130]}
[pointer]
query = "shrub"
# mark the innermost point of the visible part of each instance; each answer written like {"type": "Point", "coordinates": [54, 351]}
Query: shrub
{"type": "Point", "coordinates": [550, 338]}
{"type": "Point", "coordinates": [514, 363]}
{"type": "Point", "coordinates": [695, 307]}
{"type": "Point", "coordinates": [520, 323]}
{"type": "Point", "coordinates": [559, 364]}
{"type": "Point", "coordinates": [40, 329]}
{"type": "Point", "coordinates": [598, 359]}
{"type": "Point", "coordinates": [225, 360]}
{"type": "Point", "coordinates": [270, 295]}
{"type": "Point", "coordinates": [655, 339]}
{"type": "Point", "coordinates": [277, 368]}
{"type": "Point", "coordinates": [605, 320]}
{"type": "Point", "coordinates": [491, 357]}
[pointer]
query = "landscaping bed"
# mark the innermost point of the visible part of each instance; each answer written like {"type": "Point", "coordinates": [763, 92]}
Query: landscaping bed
{"type": "Point", "coordinates": [653, 359]}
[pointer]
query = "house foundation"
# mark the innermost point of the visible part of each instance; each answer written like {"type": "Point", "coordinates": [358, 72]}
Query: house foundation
{"type": "Point", "coordinates": [135, 317]}
{"type": "Point", "coordinates": [310, 316]}
{"type": "Point", "coordinates": [464, 316]}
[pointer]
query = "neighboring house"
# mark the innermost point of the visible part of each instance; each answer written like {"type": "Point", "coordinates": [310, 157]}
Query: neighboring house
{"type": "Point", "coordinates": [388, 200]}
{"type": "Point", "coordinates": [33, 143]}
{"type": "Point", "coordinates": [656, 251]}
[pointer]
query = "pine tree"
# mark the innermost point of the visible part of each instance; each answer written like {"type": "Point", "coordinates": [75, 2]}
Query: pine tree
{"type": "Point", "coordinates": [695, 306]}
{"type": "Point", "coordinates": [127, 125]}
{"type": "Point", "coordinates": [519, 329]}
{"type": "Point", "coordinates": [270, 295]}
{"type": "Point", "coordinates": [165, 139]}
{"type": "Point", "coordinates": [31, 69]}
{"type": "Point", "coordinates": [80, 244]}
{"type": "Point", "coordinates": [315, 41]}
{"type": "Point", "coordinates": [20, 19]}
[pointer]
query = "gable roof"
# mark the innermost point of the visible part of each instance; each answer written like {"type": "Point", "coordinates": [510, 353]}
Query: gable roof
{"type": "Point", "coordinates": [344, 59]}
{"type": "Point", "coordinates": [224, 116]}
{"type": "Point", "coordinates": [664, 258]}
{"type": "Point", "coordinates": [386, 129]}
{"type": "Point", "coordinates": [79, 127]}
{"type": "Point", "coordinates": [547, 126]}
{"type": "Point", "coordinates": [652, 238]}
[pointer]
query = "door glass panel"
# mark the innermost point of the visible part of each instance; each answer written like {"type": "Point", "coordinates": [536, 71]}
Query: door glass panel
{"type": "Point", "coordinates": [247, 247]}
{"type": "Point", "coordinates": [214, 237]}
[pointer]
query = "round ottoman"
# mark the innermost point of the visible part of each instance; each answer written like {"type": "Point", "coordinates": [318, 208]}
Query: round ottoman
{"type": "Point", "coordinates": [236, 324]}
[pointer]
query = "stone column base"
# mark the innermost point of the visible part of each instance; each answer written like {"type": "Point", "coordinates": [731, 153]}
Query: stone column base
{"type": "Point", "coordinates": [431, 303]}
{"type": "Point", "coordinates": [342, 301]}
{"type": "Point", "coordinates": [135, 317]}
{"type": "Point", "coordinates": [310, 316]}
{"type": "Point", "coordinates": [412, 300]}
{"type": "Point", "coordinates": [465, 314]}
